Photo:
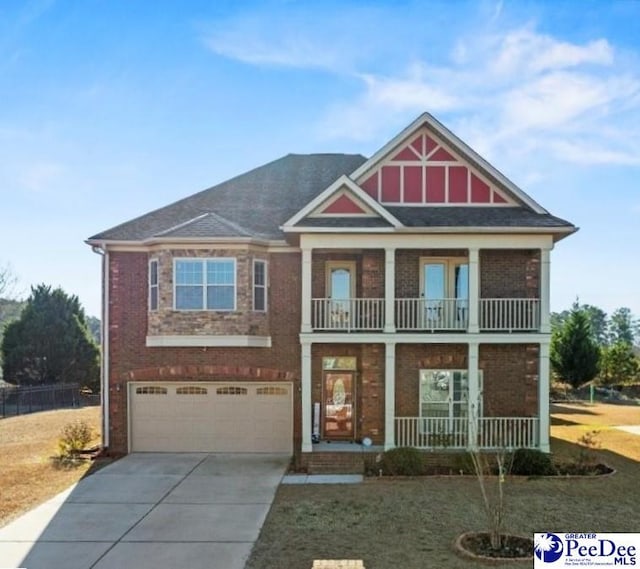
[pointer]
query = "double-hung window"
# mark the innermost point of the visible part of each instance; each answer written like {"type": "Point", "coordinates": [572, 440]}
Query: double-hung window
{"type": "Point", "coordinates": [153, 284]}
{"type": "Point", "coordinates": [205, 284]}
{"type": "Point", "coordinates": [259, 285]}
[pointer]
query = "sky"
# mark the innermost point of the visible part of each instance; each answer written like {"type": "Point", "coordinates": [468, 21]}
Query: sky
{"type": "Point", "coordinates": [109, 109]}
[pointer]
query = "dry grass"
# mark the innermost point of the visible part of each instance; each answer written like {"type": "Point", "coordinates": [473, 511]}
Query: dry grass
{"type": "Point", "coordinates": [570, 421]}
{"type": "Point", "coordinates": [28, 476]}
{"type": "Point", "coordinates": [412, 524]}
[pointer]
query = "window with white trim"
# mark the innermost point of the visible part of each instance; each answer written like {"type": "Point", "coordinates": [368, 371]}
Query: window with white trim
{"type": "Point", "coordinates": [205, 284]}
{"type": "Point", "coordinates": [445, 393]}
{"type": "Point", "coordinates": [153, 284]}
{"type": "Point", "coordinates": [259, 285]}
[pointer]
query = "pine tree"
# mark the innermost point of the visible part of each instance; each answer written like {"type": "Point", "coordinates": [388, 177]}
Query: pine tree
{"type": "Point", "coordinates": [50, 342]}
{"type": "Point", "coordinates": [574, 352]}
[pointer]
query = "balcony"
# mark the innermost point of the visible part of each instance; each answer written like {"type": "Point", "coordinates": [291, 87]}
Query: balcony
{"type": "Point", "coordinates": [455, 433]}
{"type": "Point", "coordinates": [425, 315]}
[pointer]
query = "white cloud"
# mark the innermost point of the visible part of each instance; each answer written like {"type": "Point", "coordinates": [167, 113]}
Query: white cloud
{"type": "Point", "coordinates": [524, 49]}
{"type": "Point", "coordinates": [518, 95]}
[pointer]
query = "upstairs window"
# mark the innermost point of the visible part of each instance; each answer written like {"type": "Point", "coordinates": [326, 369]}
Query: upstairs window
{"type": "Point", "coordinates": [260, 285]}
{"type": "Point", "coordinates": [153, 284]}
{"type": "Point", "coordinates": [205, 284]}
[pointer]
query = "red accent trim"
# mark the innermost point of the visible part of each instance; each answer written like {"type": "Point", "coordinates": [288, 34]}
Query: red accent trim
{"type": "Point", "coordinates": [418, 145]}
{"type": "Point", "coordinates": [442, 155]}
{"type": "Point", "coordinates": [431, 144]}
{"type": "Point", "coordinates": [413, 184]}
{"type": "Point", "coordinates": [458, 185]}
{"type": "Point", "coordinates": [391, 184]}
{"type": "Point", "coordinates": [370, 185]}
{"type": "Point", "coordinates": [406, 154]}
{"type": "Point", "coordinates": [435, 184]}
{"type": "Point", "coordinates": [497, 198]}
{"type": "Point", "coordinates": [343, 204]}
{"type": "Point", "coordinates": [480, 192]}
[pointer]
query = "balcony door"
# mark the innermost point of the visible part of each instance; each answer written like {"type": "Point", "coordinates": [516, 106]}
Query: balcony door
{"type": "Point", "coordinates": [444, 284]}
{"type": "Point", "coordinates": [341, 279]}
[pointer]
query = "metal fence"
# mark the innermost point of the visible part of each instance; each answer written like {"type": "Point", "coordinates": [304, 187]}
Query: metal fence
{"type": "Point", "coordinates": [23, 399]}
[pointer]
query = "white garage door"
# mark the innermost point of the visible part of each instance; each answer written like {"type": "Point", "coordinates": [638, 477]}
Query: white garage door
{"type": "Point", "coordinates": [210, 417]}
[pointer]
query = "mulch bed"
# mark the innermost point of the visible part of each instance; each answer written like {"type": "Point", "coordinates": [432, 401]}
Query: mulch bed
{"type": "Point", "coordinates": [477, 545]}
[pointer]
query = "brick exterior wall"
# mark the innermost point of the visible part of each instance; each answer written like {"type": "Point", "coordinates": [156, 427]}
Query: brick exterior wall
{"type": "Point", "coordinates": [510, 379]}
{"type": "Point", "coordinates": [509, 273]}
{"type": "Point", "coordinates": [128, 328]}
{"type": "Point", "coordinates": [510, 371]}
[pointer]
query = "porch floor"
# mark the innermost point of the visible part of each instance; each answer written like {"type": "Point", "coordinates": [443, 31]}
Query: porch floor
{"type": "Point", "coordinates": [345, 446]}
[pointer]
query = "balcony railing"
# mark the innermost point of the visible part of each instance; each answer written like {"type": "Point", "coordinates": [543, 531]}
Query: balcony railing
{"type": "Point", "coordinates": [509, 314]}
{"type": "Point", "coordinates": [454, 432]}
{"type": "Point", "coordinates": [420, 314]}
{"type": "Point", "coordinates": [365, 314]}
{"type": "Point", "coordinates": [428, 314]}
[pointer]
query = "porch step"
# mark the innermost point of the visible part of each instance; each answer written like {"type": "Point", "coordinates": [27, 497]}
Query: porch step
{"type": "Point", "coordinates": [335, 463]}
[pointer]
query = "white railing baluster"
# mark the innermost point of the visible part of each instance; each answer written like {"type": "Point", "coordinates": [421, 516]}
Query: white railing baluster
{"type": "Point", "coordinates": [509, 314]}
{"type": "Point", "coordinates": [452, 432]}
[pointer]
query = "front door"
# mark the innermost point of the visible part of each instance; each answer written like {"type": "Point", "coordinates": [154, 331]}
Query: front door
{"type": "Point", "coordinates": [339, 408]}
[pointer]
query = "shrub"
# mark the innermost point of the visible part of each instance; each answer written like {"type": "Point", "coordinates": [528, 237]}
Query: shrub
{"type": "Point", "coordinates": [74, 438]}
{"type": "Point", "coordinates": [402, 461]}
{"type": "Point", "coordinates": [530, 462]}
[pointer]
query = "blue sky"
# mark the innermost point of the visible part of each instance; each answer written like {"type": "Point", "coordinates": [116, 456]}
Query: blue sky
{"type": "Point", "coordinates": [112, 108]}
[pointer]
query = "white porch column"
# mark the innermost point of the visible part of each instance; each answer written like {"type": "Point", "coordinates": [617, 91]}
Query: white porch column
{"type": "Point", "coordinates": [306, 290]}
{"type": "Point", "coordinates": [474, 394]}
{"type": "Point", "coordinates": [474, 290]}
{"type": "Point", "coordinates": [389, 290]}
{"type": "Point", "coordinates": [305, 383]}
{"type": "Point", "coordinates": [545, 291]}
{"type": "Point", "coordinates": [543, 397]}
{"type": "Point", "coordinates": [389, 395]}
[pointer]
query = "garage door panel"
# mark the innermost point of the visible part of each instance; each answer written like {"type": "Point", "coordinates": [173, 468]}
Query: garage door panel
{"type": "Point", "coordinates": [211, 417]}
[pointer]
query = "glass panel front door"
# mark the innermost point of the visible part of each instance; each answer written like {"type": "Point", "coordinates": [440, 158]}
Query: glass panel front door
{"type": "Point", "coordinates": [338, 419]}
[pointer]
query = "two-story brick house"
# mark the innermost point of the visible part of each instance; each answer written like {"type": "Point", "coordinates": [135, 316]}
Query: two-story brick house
{"type": "Point", "coordinates": [400, 300]}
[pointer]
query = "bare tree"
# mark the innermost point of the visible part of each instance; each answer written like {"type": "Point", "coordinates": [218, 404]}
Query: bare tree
{"type": "Point", "coordinates": [8, 282]}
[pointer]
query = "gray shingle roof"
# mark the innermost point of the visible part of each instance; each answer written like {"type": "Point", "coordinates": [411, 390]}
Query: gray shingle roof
{"type": "Point", "coordinates": [475, 217]}
{"type": "Point", "coordinates": [256, 202]}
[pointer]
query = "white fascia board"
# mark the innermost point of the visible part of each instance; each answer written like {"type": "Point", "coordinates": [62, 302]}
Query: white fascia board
{"type": "Point", "coordinates": [425, 338]}
{"type": "Point", "coordinates": [427, 241]}
{"type": "Point", "coordinates": [303, 229]}
{"type": "Point", "coordinates": [183, 341]}
{"type": "Point", "coordinates": [457, 144]}
{"type": "Point", "coordinates": [341, 182]}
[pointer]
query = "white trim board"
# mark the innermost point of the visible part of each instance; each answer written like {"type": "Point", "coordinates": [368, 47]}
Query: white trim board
{"type": "Point", "coordinates": [183, 341]}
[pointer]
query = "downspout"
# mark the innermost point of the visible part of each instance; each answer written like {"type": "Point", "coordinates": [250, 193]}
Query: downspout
{"type": "Point", "coordinates": [104, 341]}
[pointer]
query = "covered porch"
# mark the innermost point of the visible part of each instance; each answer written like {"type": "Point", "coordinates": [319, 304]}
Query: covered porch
{"type": "Point", "coordinates": [449, 409]}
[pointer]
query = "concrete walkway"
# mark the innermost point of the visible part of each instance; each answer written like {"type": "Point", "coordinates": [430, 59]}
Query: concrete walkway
{"type": "Point", "coordinates": [151, 511]}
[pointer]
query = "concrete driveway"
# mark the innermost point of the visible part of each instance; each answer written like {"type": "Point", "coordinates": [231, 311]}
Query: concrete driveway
{"type": "Point", "coordinates": [155, 511]}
